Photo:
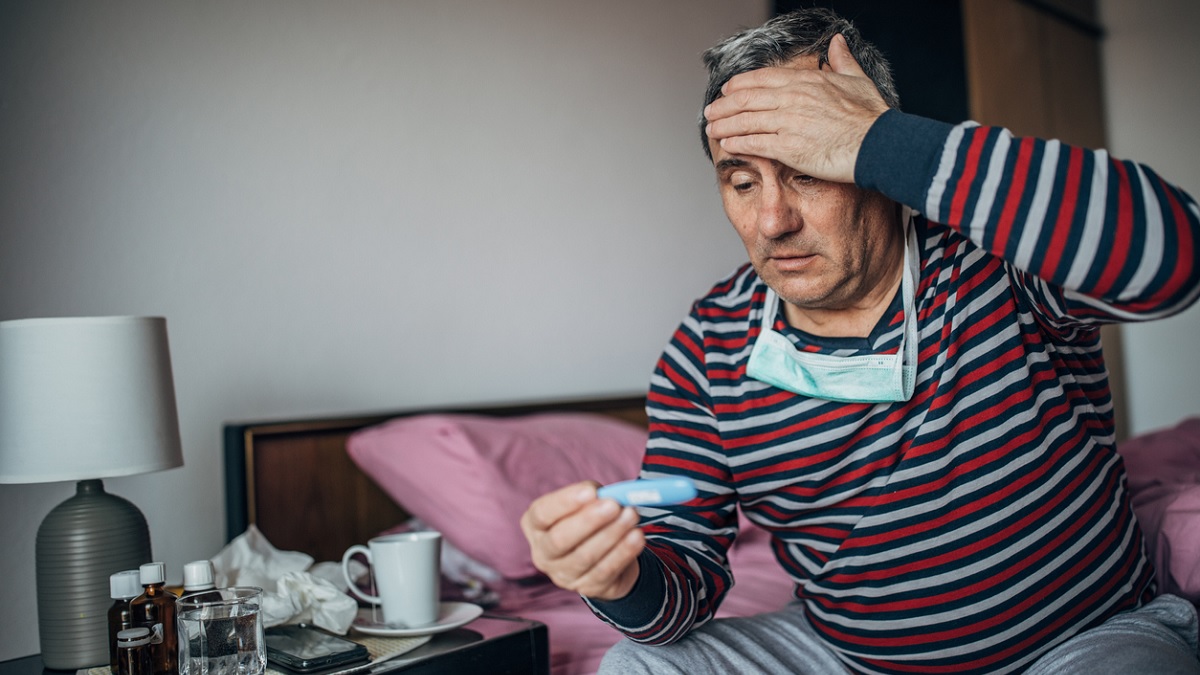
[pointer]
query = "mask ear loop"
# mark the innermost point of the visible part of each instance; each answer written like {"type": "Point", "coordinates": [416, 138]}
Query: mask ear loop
{"type": "Point", "coordinates": [770, 310]}
{"type": "Point", "coordinates": [908, 291]}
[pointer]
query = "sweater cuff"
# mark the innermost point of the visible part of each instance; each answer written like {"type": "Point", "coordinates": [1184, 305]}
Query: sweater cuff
{"type": "Point", "coordinates": [643, 603]}
{"type": "Point", "coordinates": [900, 155]}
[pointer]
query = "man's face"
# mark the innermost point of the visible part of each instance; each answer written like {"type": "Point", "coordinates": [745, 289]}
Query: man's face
{"type": "Point", "coordinates": [819, 245]}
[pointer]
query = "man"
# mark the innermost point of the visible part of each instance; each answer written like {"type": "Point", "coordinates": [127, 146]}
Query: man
{"type": "Point", "coordinates": [905, 386]}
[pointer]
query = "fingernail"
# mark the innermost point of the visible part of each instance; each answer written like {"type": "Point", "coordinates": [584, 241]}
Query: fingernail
{"type": "Point", "coordinates": [606, 506]}
{"type": "Point", "coordinates": [586, 493]}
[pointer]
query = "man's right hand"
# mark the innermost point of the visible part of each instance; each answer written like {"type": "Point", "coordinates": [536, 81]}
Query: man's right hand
{"type": "Point", "coordinates": [811, 120]}
{"type": "Point", "coordinates": [584, 544]}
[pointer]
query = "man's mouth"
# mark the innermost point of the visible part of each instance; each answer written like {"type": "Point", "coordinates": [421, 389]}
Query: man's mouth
{"type": "Point", "coordinates": [792, 262]}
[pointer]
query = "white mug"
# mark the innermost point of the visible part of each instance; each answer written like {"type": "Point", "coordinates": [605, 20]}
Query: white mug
{"type": "Point", "coordinates": [407, 575]}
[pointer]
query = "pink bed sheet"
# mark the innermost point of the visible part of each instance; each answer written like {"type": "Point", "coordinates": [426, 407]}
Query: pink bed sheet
{"type": "Point", "coordinates": [1164, 483]}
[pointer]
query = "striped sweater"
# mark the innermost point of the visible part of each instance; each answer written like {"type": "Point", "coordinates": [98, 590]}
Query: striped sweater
{"type": "Point", "coordinates": [982, 522]}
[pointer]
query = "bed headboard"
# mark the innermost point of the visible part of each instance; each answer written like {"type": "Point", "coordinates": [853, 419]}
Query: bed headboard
{"type": "Point", "coordinates": [294, 481]}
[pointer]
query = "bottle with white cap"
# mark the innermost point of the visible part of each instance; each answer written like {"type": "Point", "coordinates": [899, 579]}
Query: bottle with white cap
{"type": "Point", "coordinates": [155, 609]}
{"type": "Point", "coordinates": [133, 652]}
{"type": "Point", "coordinates": [198, 584]}
{"type": "Point", "coordinates": [123, 587]}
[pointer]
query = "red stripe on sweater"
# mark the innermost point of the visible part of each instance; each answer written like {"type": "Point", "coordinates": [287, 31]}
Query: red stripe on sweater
{"type": "Point", "coordinates": [1066, 216]}
{"type": "Point", "coordinates": [1016, 191]}
{"type": "Point", "coordinates": [970, 167]}
{"type": "Point", "coordinates": [1116, 257]}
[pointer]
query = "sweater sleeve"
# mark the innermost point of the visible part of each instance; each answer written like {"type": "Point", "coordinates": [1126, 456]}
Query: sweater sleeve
{"type": "Point", "coordinates": [684, 568]}
{"type": "Point", "coordinates": [1089, 239]}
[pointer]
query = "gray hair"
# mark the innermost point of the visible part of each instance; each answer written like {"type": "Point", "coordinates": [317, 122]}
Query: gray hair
{"type": "Point", "coordinates": [803, 32]}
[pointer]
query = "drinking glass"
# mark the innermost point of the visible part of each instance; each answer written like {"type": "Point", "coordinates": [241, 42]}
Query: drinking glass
{"type": "Point", "coordinates": [221, 632]}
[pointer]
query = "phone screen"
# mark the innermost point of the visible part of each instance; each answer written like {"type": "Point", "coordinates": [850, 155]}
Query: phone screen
{"type": "Point", "coordinates": [305, 648]}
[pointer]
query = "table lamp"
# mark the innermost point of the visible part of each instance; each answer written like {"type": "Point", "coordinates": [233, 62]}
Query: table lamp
{"type": "Point", "coordinates": [82, 399]}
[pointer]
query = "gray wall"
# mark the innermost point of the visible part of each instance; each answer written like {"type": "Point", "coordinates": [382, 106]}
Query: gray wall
{"type": "Point", "coordinates": [336, 217]}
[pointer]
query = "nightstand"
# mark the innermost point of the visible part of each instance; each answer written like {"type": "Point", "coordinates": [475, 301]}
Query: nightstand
{"type": "Point", "coordinates": [489, 645]}
{"type": "Point", "coordinates": [26, 665]}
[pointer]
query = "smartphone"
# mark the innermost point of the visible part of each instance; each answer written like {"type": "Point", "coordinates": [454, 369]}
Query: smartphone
{"type": "Point", "coordinates": [306, 649]}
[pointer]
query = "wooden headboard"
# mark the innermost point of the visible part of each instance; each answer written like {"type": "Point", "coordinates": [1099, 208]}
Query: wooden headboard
{"type": "Point", "coordinates": [294, 481]}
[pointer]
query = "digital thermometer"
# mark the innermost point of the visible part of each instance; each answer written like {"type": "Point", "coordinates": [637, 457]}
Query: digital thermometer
{"type": "Point", "coordinates": [654, 492]}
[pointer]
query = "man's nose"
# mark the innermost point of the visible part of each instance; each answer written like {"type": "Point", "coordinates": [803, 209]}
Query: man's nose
{"type": "Point", "coordinates": [777, 215]}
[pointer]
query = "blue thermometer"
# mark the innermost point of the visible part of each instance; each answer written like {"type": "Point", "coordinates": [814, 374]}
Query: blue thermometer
{"type": "Point", "coordinates": [655, 492]}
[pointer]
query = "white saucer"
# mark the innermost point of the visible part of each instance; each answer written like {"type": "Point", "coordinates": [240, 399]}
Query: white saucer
{"type": "Point", "coordinates": [451, 615]}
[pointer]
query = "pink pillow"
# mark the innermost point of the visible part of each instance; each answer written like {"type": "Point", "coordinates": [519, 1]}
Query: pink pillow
{"type": "Point", "coordinates": [1164, 485]}
{"type": "Point", "coordinates": [471, 477]}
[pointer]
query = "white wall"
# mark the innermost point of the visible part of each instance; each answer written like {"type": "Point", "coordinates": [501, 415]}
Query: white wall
{"type": "Point", "coordinates": [1151, 61]}
{"type": "Point", "coordinates": [351, 206]}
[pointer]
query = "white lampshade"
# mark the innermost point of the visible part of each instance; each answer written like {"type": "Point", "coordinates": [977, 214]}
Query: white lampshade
{"type": "Point", "coordinates": [86, 398]}
{"type": "Point", "coordinates": [83, 399]}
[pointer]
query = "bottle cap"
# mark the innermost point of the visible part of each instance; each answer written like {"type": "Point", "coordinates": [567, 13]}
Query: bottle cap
{"type": "Point", "coordinates": [125, 585]}
{"type": "Point", "coordinates": [153, 573]}
{"type": "Point", "coordinates": [198, 575]}
{"type": "Point", "coordinates": [133, 637]}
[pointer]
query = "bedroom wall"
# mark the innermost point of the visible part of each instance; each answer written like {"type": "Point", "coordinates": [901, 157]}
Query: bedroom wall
{"type": "Point", "coordinates": [351, 206]}
{"type": "Point", "coordinates": [348, 207]}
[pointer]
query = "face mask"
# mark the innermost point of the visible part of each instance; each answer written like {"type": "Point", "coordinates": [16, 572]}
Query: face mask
{"type": "Point", "coordinates": [851, 379]}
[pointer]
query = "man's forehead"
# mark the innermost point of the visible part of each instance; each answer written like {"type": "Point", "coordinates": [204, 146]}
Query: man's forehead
{"type": "Point", "coordinates": [731, 162]}
{"type": "Point", "coordinates": [724, 162]}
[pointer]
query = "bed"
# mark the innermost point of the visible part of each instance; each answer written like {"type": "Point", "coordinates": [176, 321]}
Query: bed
{"type": "Point", "coordinates": [320, 485]}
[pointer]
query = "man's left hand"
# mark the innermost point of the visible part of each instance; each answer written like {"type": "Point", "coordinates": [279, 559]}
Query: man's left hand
{"type": "Point", "coordinates": [811, 120]}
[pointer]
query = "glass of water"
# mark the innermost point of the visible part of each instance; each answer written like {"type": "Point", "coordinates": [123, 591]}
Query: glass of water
{"type": "Point", "coordinates": [221, 632]}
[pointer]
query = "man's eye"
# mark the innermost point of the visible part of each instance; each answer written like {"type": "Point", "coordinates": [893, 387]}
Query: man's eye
{"type": "Point", "coordinates": [804, 179]}
{"type": "Point", "coordinates": [741, 182]}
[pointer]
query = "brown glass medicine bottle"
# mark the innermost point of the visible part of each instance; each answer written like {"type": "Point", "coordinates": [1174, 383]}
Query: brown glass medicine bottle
{"type": "Point", "coordinates": [123, 587]}
{"type": "Point", "coordinates": [133, 652]}
{"type": "Point", "coordinates": [155, 609]}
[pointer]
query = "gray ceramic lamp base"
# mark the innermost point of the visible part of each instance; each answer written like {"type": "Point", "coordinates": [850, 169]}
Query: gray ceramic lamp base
{"type": "Point", "coordinates": [80, 543]}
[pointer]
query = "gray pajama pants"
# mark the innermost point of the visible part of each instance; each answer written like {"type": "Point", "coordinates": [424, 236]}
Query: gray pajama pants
{"type": "Point", "coordinates": [1159, 639]}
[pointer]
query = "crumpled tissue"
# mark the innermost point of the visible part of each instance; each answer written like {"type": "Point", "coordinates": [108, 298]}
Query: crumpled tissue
{"type": "Point", "coordinates": [292, 592]}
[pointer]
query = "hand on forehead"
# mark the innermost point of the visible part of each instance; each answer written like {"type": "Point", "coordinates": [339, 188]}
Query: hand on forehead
{"type": "Point", "coordinates": [809, 119]}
